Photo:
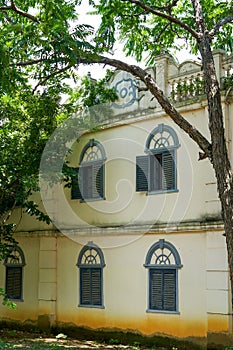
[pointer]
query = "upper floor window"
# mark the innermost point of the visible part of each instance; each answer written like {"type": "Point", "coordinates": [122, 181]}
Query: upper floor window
{"type": "Point", "coordinates": [163, 262]}
{"type": "Point", "coordinates": [14, 263]}
{"type": "Point", "coordinates": [156, 171]}
{"type": "Point", "coordinates": [91, 263]}
{"type": "Point", "coordinates": [89, 184]}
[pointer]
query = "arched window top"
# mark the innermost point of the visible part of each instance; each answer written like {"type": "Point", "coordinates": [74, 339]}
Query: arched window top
{"type": "Point", "coordinates": [163, 254]}
{"type": "Point", "coordinates": [92, 151]}
{"type": "Point", "coordinates": [16, 257]}
{"type": "Point", "coordinates": [91, 255]}
{"type": "Point", "coordinates": [162, 137]}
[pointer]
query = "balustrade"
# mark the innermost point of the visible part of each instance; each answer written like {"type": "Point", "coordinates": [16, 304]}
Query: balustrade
{"type": "Point", "coordinates": [227, 79]}
{"type": "Point", "coordinates": [191, 85]}
{"type": "Point", "coordinates": [187, 87]}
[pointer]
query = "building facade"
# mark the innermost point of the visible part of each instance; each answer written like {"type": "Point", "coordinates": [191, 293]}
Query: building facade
{"type": "Point", "coordinates": [137, 242]}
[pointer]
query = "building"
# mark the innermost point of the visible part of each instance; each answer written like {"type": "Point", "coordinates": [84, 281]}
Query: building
{"type": "Point", "coordinates": [137, 242]}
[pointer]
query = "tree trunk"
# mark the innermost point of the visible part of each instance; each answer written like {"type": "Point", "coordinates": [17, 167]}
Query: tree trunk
{"type": "Point", "coordinates": [219, 156]}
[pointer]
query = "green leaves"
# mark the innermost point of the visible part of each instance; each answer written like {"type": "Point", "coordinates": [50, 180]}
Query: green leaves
{"type": "Point", "coordinates": [32, 209]}
{"type": "Point", "coordinates": [43, 42]}
{"type": "Point", "coordinates": [91, 92]}
{"type": "Point", "coordinates": [27, 123]}
{"type": "Point", "coordinates": [7, 241]}
{"type": "Point", "coordinates": [39, 42]}
{"type": "Point", "coordinates": [155, 26]}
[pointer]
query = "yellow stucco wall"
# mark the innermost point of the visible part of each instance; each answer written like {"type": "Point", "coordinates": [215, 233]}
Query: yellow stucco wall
{"type": "Point", "coordinates": [195, 199]}
{"type": "Point", "coordinates": [122, 204]}
{"type": "Point", "coordinates": [126, 288]}
{"type": "Point", "coordinates": [51, 284]}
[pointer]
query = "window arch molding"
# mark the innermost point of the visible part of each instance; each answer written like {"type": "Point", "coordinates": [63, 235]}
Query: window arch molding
{"type": "Point", "coordinates": [161, 245]}
{"type": "Point", "coordinates": [163, 262]}
{"type": "Point", "coordinates": [97, 260]}
{"type": "Point", "coordinates": [14, 264]}
{"type": "Point", "coordinates": [91, 263]}
{"type": "Point", "coordinates": [98, 154]}
{"type": "Point", "coordinates": [164, 137]}
{"type": "Point", "coordinates": [16, 257]}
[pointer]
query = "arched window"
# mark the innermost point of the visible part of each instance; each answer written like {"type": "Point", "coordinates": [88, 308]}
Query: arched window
{"type": "Point", "coordinates": [163, 262]}
{"type": "Point", "coordinates": [156, 171]}
{"type": "Point", "coordinates": [14, 263]}
{"type": "Point", "coordinates": [91, 264]}
{"type": "Point", "coordinates": [89, 184]}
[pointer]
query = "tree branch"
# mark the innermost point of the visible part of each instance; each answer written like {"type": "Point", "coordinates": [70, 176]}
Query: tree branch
{"type": "Point", "coordinates": [59, 71]}
{"type": "Point", "coordinates": [167, 8]}
{"type": "Point", "coordinates": [152, 86]}
{"type": "Point", "coordinates": [29, 63]}
{"type": "Point", "coordinates": [13, 7]}
{"type": "Point", "coordinates": [166, 16]}
{"type": "Point", "coordinates": [220, 24]}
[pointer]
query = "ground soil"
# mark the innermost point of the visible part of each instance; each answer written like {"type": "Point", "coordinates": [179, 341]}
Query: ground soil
{"type": "Point", "coordinates": [14, 339]}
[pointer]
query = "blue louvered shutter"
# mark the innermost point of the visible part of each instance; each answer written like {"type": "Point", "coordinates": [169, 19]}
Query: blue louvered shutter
{"type": "Point", "coordinates": [75, 186]}
{"type": "Point", "coordinates": [96, 290]}
{"type": "Point", "coordinates": [169, 290]}
{"type": "Point", "coordinates": [92, 179]}
{"type": "Point", "coordinates": [85, 286]}
{"type": "Point", "coordinates": [98, 180]}
{"type": "Point", "coordinates": [156, 286]}
{"type": "Point", "coordinates": [87, 181]}
{"type": "Point", "coordinates": [162, 296]}
{"type": "Point", "coordinates": [91, 286]}
{"type": "Point", "coordinates": [168, 175]}
{"type": "Point", "coordinates": [142, 172]}
{"type": "Point", "coordinates": [14, 282]}
{"type": "Point", "coordinates": [155, 172]}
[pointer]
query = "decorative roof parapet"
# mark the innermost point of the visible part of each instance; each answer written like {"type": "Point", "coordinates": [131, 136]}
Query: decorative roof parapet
{"type": "Point", "coordinates": [179, 81]}
{"type": "Point", "coordinates": [183, 83]}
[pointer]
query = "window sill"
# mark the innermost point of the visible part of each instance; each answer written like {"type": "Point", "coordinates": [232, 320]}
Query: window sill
{"type": "Point", "coordinates": [16, 300]}
{"type": "Point", "coordinates": [161, 192]}
{"type": "Point", "coordinates": [163, 312]}
{"type": "Point", "coordinates": [92, 306]}
{"type": "Point", "coordinates": [92, 199]}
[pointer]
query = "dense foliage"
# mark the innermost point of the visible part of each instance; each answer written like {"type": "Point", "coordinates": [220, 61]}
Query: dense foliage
{"type": "Point", "coordinates": [38, 48]}
{"type": "Point", "coordinates": [148, 28]}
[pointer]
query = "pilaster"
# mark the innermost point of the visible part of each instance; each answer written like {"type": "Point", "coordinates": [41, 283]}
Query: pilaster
{"type": "Point", "coordinates": [47, 290]}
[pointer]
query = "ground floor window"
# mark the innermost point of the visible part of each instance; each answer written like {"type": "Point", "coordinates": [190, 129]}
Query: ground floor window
{"type": "Point", "coordinates": [14, 264]}
{"type": "Point", "coordinates": [91, 286]}
{"type": "Point", "coordinates": [162, 289]}
{"type": "Point", "coordinates": [91, 264]}
{"type": "Point", "coordinates": [163, 262]}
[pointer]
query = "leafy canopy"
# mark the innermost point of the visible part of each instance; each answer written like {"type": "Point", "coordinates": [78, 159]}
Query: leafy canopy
{"type": "Point", "coordinates": [27, 121]}
{"type": "Point", "coordinates": [143, 32]}
{"type": "Point", "coordinates": [44, 41]}
{"type": "Point", "coordinates": [39, 46]}
{"type": "Point", "coordinates": [38, 41]}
